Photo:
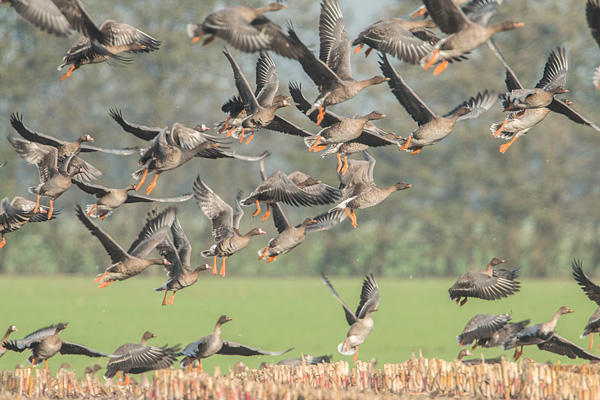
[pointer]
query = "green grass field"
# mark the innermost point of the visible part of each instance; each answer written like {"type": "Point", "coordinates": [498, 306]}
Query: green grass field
{"type": "Point", "coordinates": [275, 314]}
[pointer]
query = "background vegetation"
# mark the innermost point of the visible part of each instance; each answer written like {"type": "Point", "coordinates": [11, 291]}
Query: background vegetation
{"type": "Point", "coordinates": [536, 205]}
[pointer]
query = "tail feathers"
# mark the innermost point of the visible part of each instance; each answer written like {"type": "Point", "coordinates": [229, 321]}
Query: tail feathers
{"type": "Point", "coordinates": [342, 349]}
{"type": "Point", "coordinates": [37, 361]}
{"type": "Point", "coordinates": [161, 288]}
{"type": "Point", "coordinates": [33, 189]}
{"type": "Point", "coordinates": [504, 134]}
{"type": "Point", "coordinates": [261, 251]}
{"type": "Point", "coordinates": [310, 140]}
{"type": "Point", "coordinates": [191, 29]}
{"type": "Point", "coordinates": [508, 345]}
{"type": "Point", "coordinates": [210, 252]}
{"type": "Point", "coordinates": [138, 174]}
{"type": "Point", "coordinates": [96, 213]}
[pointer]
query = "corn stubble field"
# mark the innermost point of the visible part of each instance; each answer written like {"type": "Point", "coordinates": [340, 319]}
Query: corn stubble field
{"type": "Point", "coordinates": [415, 318]}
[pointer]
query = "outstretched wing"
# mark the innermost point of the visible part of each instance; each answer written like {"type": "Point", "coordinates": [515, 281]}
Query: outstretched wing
{"type": "Point", "coordinates": [369, 296]}
{"type": "Point", "coordinates": [350, 317]}
{"type": "Point", "coordinates": [590, 288]}
{"type": "Point", "coordinates": [237, 349]}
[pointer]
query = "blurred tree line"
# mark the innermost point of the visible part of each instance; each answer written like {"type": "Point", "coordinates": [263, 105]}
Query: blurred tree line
{"type": "Point", "coordinates": [537, 206]}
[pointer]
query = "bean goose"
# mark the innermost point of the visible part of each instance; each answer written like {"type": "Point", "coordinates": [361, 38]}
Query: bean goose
{"type": "Point", "coordinates": [260, 108]}
{"type": "Point", "coordinates": [10, 330]}
{"type": "Point", "coordinates": [359, 190]}
{"type": "Point", "coordinates": [42, 13]}
{"type": "Point", "coordinates": [592, 14]}
{"type": "Point", "coordinates": [518, 123]}
{"type": "Point", "coordinates": [111, 198]}
{"type": "Point", "coordinates": [371, 136]}
{"type": "Point", "coordinates": [137, 358]}
{"type": "Point", "coordinates": [100, 43]}
{"type": "Point", "coordinates": [225, 225]}
{"type": "Point", "coordinates": [432, 127]}
{"type": "Point", "coordinates": [331, 72]}
{"type": "Point", "coordinates": [593, 293]}
{"type": "Point", "coordinates": [179, 255]}
{"type": "Point", "coordinates": [464, 34]}
{"type": "Point", "coordinates": [45, 343]}
{"type": "Point", "coordinates": [295, 189]}
{"type": "Point", "coordinates": [245, 28]}
{"type": "Point", "coordinates": [408, 41]}
{"type": "Point", "coordinates": [127, 264]}
{"type": "Point", "coordinates": [16, 213]}
{"type": "Point", "coordinates": [545, 338]}
{"type": "Point", "coordinates": [291, 236]}
{"type": "Point", "coordinates": [65, 149]}
{"type": "Point", "coordinates": [213, 344]}
{"type": "Point", "coordinates": [361, 321]}
{"type": "Point", "coordinates": [489, 284]}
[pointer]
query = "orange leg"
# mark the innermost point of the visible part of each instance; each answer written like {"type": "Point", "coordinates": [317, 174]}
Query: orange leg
{"type": "Point", "coordinates": [242, 135]}
{"type": "Point", "coordinates": [46, 364]}
{"type": "Point", "coordinates": [505, 146]}
{"type": "Point", "coordinates": [417, 151]}
{"type": "Point", "coordinates": [405, 145]}
{"type": "Point", "coordinates": [339, 167]}
{"type": "Point", "coordinates": [360, 46]}
{"type": "Point", "coordinates": [104, 284]}
{"type": "Point", "coordinates": [440, 68]}
{"type": "Point", "coordinates": [264, 217]}
{"type": "Point", "coordinates": [355, 354]}
{"type": "Point", "coordinates": [269, 259]}
{"type": "Point", "coordinates": [518, 354]}
{"type": "Point", "coordinates": [126, 379]}
{"type": "Point", "coordinates": [462, 303]}
{"type": "Point", "coordinates": [214, 269]}
{"type": "Point", "coordinates": [432, 59]}
{"type": "Point", "coordinates": [51, 209]}
{"type": "Point", "coordinates": [224, 128]}
{"type": "Point", "coordinates": [3, 242]}
{"type": "Point", "coordinates": [264, 253]}
{"type": "Point", "coordinates": [229, 132]}
{"type": "Point", "coordinates": [103, 216]}
{"type": "Point", "coordinates": [208, 40]}
{"type": "Point", "coordinates": [311, 148]}
{"type": "Point", "coordinates": [422, 10]}
{"type": "Point", "coordinates": [164, 303]}
{"type": "Point", "coordinates": [458, 300]}
{"type": "Point", "coordinates": [258, 209]}
{"type": "Point", "coordinates": [120, 379]}
{"type": "Point", "coordinates": [68, 74]}
{"type": "Point", "coordinates": [199, 366]}
{"type": "Point", "coordinates": [141, 182]}
{"type": "Point", "coordinates": [474, 346]}
{"type": "Point", "coordinates": [320, 115]}
{"type": "Point", "coordinates": [222, 271]}
{"type": "Point", "coordinates": [37, 204]}
{"type": "Point", "coordinates": [98, 279]}
{"type": "Point", "coordinates": [153, 184]}
{"type": "Point", "coordinates": [92, 210]}
{"type": "Point", "coordinates": [368, 51]}
{"type": "Point", "coordinates": [171, 298]}
{"type": "Point", "coordinates": [500, 129]}
{"type": "Point", "coordinates": [198, 38]}
{"type": "Point", "coordinates": [461, 342]}
{"type": "Point", "coordinates": [346, 165]}
{"type": "Point", "coordinates": [250, 138]}
{"type": "Point", "coordinates": [189, 364]}
{"type": "Point", "coordinates": [32, 362]}
{"type": "Point", "coordinates": [347, 345]}
{"type": "Point", "coordinates": [319, 148]}
{"type": "Point", "coordinates": [352, 217]}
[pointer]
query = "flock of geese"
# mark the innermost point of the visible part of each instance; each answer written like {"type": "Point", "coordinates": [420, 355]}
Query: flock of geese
{"type": "Point", "coordinates": [251, 110]}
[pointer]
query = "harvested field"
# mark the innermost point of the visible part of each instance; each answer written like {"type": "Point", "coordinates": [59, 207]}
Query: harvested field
{"type": "Point", "coordinates": [417, 377]}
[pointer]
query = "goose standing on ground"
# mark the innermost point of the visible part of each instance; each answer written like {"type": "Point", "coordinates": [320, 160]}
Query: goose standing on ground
{"type": "Point", "coordinates": [592, 14]}
{"type": "Point", "coordinates": [331, 72]}
{"type": "Point", "coordinates": [246, 29]}
{"type": "Point", "coordinates": [103, 43]}
{"type": "Point", "coordinates": [593, 293]}
{"type": "Point", "coordinates": [371, 136]}
{"type": "Point", "coordinates": [110, 198]}
{"type": "Point", "coordinates": [359, 190]}
{"type": "Point", "coordinates": [225, 224]}
{"type": "Point", "coordinates": [127, 264]}
{"type": "Point", "coordinates": [432, 127]}
{"type": "Point", "coordinates": [295, 189]}
{"type": "Point", "coordinates": [489, 284]}
{"type": "Point", "coordinates": [260, 108]}
{"type": "Point", "coordinates": [545, 338]}
{"type": "Point", "coordinates": [213, 344]}
{"type": "Point", "coordinates": [518, 123]}
{"type": "Point", "coordinates": [464, 34]}
{"type": "Point", "coordinates": [10, 330]}
{"type": "Point", "coordinates": [408, 41]}
{"type": "Point", "coordinates": [137, 358]}
{"type": "Point", "coordinates": [18, 212]}
{"type": "Point", "coordinates": [179, 255]}
{"type": "Point", "coordinates": [45, 343]}
{"type": "Point", "coordinates": [361, 321]}
{"type": "Point", "coordinates": [42, 13]}
{"type": "Point", "coordinates": [481, 326]}
{"type": "Point", "coordinates": [65, 149]}
{"type": "Point", "coordinates": [291, 236]}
